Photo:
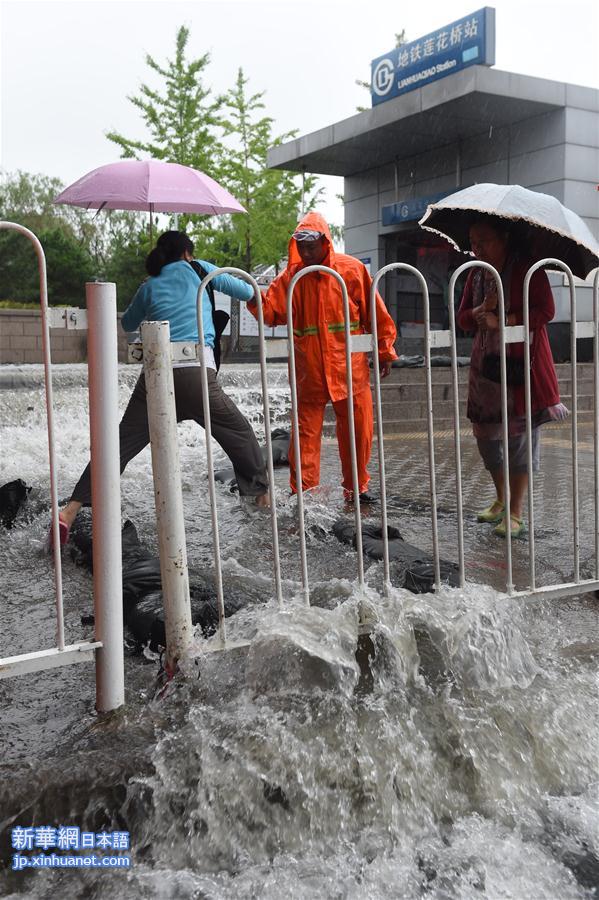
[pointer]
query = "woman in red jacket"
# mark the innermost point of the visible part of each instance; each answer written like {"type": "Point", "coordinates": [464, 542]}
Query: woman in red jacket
{"type": "Point", "coordinates": [490, 242]}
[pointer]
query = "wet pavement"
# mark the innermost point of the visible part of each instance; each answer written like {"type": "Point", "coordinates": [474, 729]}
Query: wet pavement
{"type": "Point", "coordinates": [465, 768]}
{"type": "Point", "coordinates": [407, 472]}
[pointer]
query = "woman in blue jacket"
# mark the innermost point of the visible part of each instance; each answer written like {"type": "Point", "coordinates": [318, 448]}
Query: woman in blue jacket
{"type": "Point", "coordinates": [170, 294]}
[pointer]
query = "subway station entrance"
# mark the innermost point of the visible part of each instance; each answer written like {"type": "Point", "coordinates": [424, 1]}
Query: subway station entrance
{"type": "Point", "coordinates": [432, 256]}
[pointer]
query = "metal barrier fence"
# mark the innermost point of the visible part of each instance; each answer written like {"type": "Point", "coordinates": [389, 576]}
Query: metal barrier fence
{"type": "Point", "coordinates": [522, 334]}
{"type": "Point", "coordinates": [162, 421]}
{"type": "Point", "coordinates": [432, 339]}
{"type": "Point", "coordinates": [158, 356]}
{"type": "Point", "coordinates": [352, 345]}
{"type": "Point", "coordinates": [107, 649]}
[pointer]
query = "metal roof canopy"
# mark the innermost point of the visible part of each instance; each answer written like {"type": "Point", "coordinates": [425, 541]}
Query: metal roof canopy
{"type": "Point", "coordinates": [459, 106]}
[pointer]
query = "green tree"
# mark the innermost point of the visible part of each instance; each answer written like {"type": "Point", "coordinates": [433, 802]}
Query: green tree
{"type": "Point", "coordinates": [228, 138]}
{"type": "Point", "coordinates": [272, 197]}
{"type": "Point", "coordinates": [68, 264]}
{"type": "Point", "coordinates": [30, 197]}
{"type": "Point", "coordinates": [27, 200]}
{"type": "Point", "coordinates": [181, 117]}
{"type": "Point", "coordinates": [126, 266]}
{"type": "Point", "coordinates": [79, 245]}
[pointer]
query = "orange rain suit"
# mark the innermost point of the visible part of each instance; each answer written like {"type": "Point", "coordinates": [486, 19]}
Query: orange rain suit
{"type": "Point", "coordinates": [320, 353]}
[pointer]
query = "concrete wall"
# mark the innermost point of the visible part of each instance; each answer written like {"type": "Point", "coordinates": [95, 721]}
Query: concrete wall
{"type": "Point", "coordinates": [21, 340]}
{"type": "Point", "coordinates": [556, 153]}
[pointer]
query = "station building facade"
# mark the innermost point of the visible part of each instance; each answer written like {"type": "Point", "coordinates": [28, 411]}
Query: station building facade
{"type": "Point", "coordinates": [476, 125]}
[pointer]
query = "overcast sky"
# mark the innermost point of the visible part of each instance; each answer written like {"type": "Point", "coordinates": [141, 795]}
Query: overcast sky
{"type": "Point", "coordinates": [67, 67]}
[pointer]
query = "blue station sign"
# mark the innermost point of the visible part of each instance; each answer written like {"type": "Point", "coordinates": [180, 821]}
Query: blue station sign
{"type": "Point", "coordinates": [468, 42]}
{"type": "Point", "coordinates": [410, 210]}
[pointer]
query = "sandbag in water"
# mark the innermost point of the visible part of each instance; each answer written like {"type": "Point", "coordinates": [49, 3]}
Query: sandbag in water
{"type": "Point", "coordinates": [412, 567]}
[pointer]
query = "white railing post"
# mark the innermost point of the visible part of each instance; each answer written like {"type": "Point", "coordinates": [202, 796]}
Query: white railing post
{"type": "Point", "coordinates": [573, 367]}
{"type": "Point", "coordinates": [162, 421]}
{"type": "Point", "coordinates": [296, 441]}
{"type": "Point", "coordinates": [456, 421]}
{"type": "Point", "coordinates": [350, 415]}
{"type": "Point", "coordinates": [238, 273]}
{"type": "Point", "coordinates": [596, 412]}
{"type": "Point", "coordinates": [478, 264]}
{"type": "Point", "coordinates": [555, 263]}
{"type": "Point", "coordinates": [41, 262]}
{"type": "Point", "coordinates": [429, 420]}
{"type": "Point", "coordinates": [379, 423]}
{"type": "Point", "coordinates": [106, 493]}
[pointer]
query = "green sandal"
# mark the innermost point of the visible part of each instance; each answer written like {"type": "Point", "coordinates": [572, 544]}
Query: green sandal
{"type": "Point", "coordinates": [517, 527]}
{"type": "Point", "coordinates": [493, 513]}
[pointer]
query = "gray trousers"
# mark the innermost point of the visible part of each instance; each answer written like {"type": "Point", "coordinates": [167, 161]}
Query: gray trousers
{"type": "Point", "coordinates": [229, 427]}
{"type": "Point", "coordinates": [492, 453]}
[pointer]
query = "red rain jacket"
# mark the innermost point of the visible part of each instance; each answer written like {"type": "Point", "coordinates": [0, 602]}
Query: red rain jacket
{"type": "Point", "coordinates": [318, 320]}
{"type": "Point", "coordinates": [544, 390]}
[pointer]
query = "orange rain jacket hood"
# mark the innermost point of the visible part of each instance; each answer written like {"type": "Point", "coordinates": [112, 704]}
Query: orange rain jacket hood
{"type": "Point", "coordinates": [318, 319]}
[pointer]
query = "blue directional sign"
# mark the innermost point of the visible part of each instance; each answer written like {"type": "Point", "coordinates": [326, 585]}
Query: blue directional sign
{"type": "Point", "coordinates": [468, 42]}
{"type": "Point", "coordinates": [409, 210]}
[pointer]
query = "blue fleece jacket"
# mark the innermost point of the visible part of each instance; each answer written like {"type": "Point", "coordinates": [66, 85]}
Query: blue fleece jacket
{"type": "Point", "coordinates": [172, 296]}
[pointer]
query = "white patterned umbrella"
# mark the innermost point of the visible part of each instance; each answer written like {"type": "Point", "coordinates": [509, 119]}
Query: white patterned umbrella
{"type": "Point", "coordinates": [541, 226]}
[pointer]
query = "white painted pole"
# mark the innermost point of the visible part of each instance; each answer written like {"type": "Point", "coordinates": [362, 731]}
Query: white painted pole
{"type": "Point", "coordinates": [379, 424]}
{"type": "Point", "coordinates": [106, 493]}
{"type": "Point", "coordinates": [41, 261]}
{"type": "Point", "coordinates": [430, 428]}
{"type": "Point", "coordinates": [528, 410]}
{"type": "Point", "coordinates": [296, 438]}
{"type": "Point", "coordinates": [552, 263]}
{"type": "Point", "coordinates": [429, 422]}
{"type": "Point", "coordinates": [473, 264]}
{"type": "Point", "coordinates": [596, 412]}
{"type": "Point", "coordinates": [573, 364]}
{"type": "Point", "coordinates": [430, 433]}
{"type": "Point", "coordinates": [456, 421]}
{"type": "Point", "coordinates": [504, 427]}
{"type": "Point", "coordinates": [351, 424]}
{"type": "Point", "coordinates": [162, 422]}
{"type": "Point", "coordinates": [218, 572]}
{"type": "Point", "coordinates": [239, 273]}
{"type": "Point", "coordinates": [350, 415]}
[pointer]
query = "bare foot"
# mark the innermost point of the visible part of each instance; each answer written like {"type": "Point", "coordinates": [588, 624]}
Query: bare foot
{"type": "Point", "coordinates": [69, 513]}
{"type": "Point", "coordinates": [263, 501]}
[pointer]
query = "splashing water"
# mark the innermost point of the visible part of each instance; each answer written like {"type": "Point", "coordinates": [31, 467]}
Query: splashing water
{"type": "Point", "coordinates": [451, 752]}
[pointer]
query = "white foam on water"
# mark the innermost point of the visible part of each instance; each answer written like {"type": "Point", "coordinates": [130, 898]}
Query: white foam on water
{"type": "Point", "coordinates": [461, 763]}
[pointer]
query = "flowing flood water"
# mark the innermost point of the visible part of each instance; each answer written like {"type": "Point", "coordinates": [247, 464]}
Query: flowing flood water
{"type": "Point", "coordinates": [453, 756]}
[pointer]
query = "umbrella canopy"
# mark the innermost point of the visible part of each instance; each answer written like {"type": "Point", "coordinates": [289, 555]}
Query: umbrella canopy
{"type": "Point", "coordinates": [150, 185]}
{"type": "Point", "coordinates": [542, 227]}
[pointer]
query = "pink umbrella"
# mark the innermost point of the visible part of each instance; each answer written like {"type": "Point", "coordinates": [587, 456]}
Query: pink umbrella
{"type": "Point", "coordinates": [150, 185]}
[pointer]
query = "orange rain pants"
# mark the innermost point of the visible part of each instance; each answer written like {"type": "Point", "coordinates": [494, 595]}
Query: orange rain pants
{"type": "Point", "coordinates": [311, 418]}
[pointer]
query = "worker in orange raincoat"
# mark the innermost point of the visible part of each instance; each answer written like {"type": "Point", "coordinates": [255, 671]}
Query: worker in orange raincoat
{"type": "Point", "coordinates": [320, 349]}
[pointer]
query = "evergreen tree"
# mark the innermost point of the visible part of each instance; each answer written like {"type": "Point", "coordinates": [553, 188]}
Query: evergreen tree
{"type": "Point", "coordinates": [126, 265]}
{"type": "Point", "coordinates": [79, 245]}
{"type": "Point", "coordinates": [226, 137]}
{"type": "Point", "coordinates": [27, 200]}
{"type": "Point", "coordinates": [68, 267]}
{"type": "Point", "coordinates": [272, 197]}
